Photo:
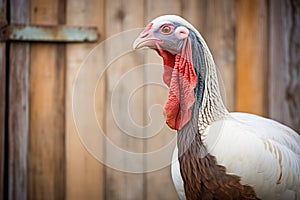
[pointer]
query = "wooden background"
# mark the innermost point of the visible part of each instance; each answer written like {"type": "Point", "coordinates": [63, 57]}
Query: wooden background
{"type": "Point", "coordinates": [255, 43]}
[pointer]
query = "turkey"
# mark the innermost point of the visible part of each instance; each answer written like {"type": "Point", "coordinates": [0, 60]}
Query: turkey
{"type": "Point", "coordinates": [219, 155]}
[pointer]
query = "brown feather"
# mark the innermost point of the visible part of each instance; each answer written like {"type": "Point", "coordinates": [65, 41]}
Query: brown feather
{"type": "Point", "coordinates": [203, 177]}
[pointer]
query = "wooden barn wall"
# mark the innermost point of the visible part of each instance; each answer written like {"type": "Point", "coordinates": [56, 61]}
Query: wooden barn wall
{"type": "Point", "coordinates": [255, 45]}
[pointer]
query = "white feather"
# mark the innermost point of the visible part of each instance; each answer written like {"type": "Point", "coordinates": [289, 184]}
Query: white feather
{"type": "Point", "coordinates": [263, 152]}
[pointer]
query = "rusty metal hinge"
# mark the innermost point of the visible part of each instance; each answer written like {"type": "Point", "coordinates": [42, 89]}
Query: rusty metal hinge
{"type": "Point", "coordinates": [48, 33]}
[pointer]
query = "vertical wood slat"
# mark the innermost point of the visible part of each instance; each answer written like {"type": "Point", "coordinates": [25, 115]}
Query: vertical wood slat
{"type": "Point", "coordinates": [18, 119]}
{"type": "Point", "coordinates": [284, 78]}
{"type": "Point", "coordinates": [2, 114]}
{"type": "Point", "coordinates": [252, 56]}
{"type": "Point", "coordinates": [216, 21]}
{"type": "Point", "coordinates": [3, 13]}
{"type": "Point", "coordinates": [122, 16]}
{"type": "Point", "coordinates": [159, 183]}
{"type": "Point", "coordinates": [47, 106]}
{"type": "Point", "coordinates": [85, 178]}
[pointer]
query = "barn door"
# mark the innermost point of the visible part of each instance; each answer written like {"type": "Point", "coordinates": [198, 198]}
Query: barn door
{"type": "Point", "coordinates": [32, 108]}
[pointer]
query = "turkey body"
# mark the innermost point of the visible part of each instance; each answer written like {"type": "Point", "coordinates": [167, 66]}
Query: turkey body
{"type": "Point", "coordinates": [219, 155]}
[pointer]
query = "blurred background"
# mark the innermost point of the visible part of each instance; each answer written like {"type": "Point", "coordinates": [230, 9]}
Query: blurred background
{"type": "Point", "coordinates": [255, 44]}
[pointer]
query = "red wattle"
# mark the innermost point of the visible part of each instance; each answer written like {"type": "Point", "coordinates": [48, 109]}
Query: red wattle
{"type": "Point", "coordinates": [180, 76]}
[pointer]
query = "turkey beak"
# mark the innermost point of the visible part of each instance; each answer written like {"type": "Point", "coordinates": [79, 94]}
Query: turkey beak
{"type": "Point", "coordinates": [145, 39]}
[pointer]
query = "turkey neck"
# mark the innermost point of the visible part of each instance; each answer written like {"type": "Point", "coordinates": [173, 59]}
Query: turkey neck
{"type": "Point", "coordinates": [189, 134]}
{"type": "Point", "coordinates": [191, 150]}
{"type": "Point", "coordinates": [202, 177]}
{"type": "Point", "coordinates": [208, 107]}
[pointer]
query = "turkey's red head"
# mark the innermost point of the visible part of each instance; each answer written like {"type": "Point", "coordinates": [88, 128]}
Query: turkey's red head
{"type": "Point", "coordinates": [172, 42]}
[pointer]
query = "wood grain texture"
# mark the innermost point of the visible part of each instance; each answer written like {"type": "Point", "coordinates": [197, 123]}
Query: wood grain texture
{"type": "Point", "coordinates": [18, 116]}
{"type": "Point", "coordinates": [47, 107]}
{"type": "Point", "coordinates": [3, 66]}
{"type": "Point", "coordinates": [18, 121]}
{"type": "Point", "coordinates": [159, 183]}
{"type": "Point", "coordinates": [2, 115]}
{"type": "Point", "coordinates": [252, 56]}
{"type": "Point", "coordinates": [84, 178]}
{"type": "Point", "coordinates": [46, 172]}
{"type": "Point", "coordinates": [216, 21]}
{"type": "Point", "coordinates": [122, 16]}
{"type": "Point", "coordinates": [284, 72]}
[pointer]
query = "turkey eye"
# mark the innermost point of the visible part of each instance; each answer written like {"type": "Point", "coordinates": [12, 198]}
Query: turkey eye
{"type": "Point", "coordinates": [166, 29]}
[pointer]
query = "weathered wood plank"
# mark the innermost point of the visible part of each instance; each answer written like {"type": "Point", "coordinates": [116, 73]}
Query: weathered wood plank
{"type": "Point", "coordinates": [2, 114]}
{"type": "Point", "coordinates": [85, 178]}
{"type": "Point", "coordinates": [159, 183]}
{"type": "Point", "coordinates": [252, 56]}
{"type": "Point", "coordinates": [2, 99]}
{"type": "Point", "coordinates": [123, 16]}
{"type": "Point", "coordinates": [219, 32]}
{"type": "Point", "coordinates": [18, 119]}
{"type": "Point", "coordinates": [47, 106]}
{"type": "Point", "coordinates": [46, 159]}
{"type": "Point", "coordinates": [284, 71]}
